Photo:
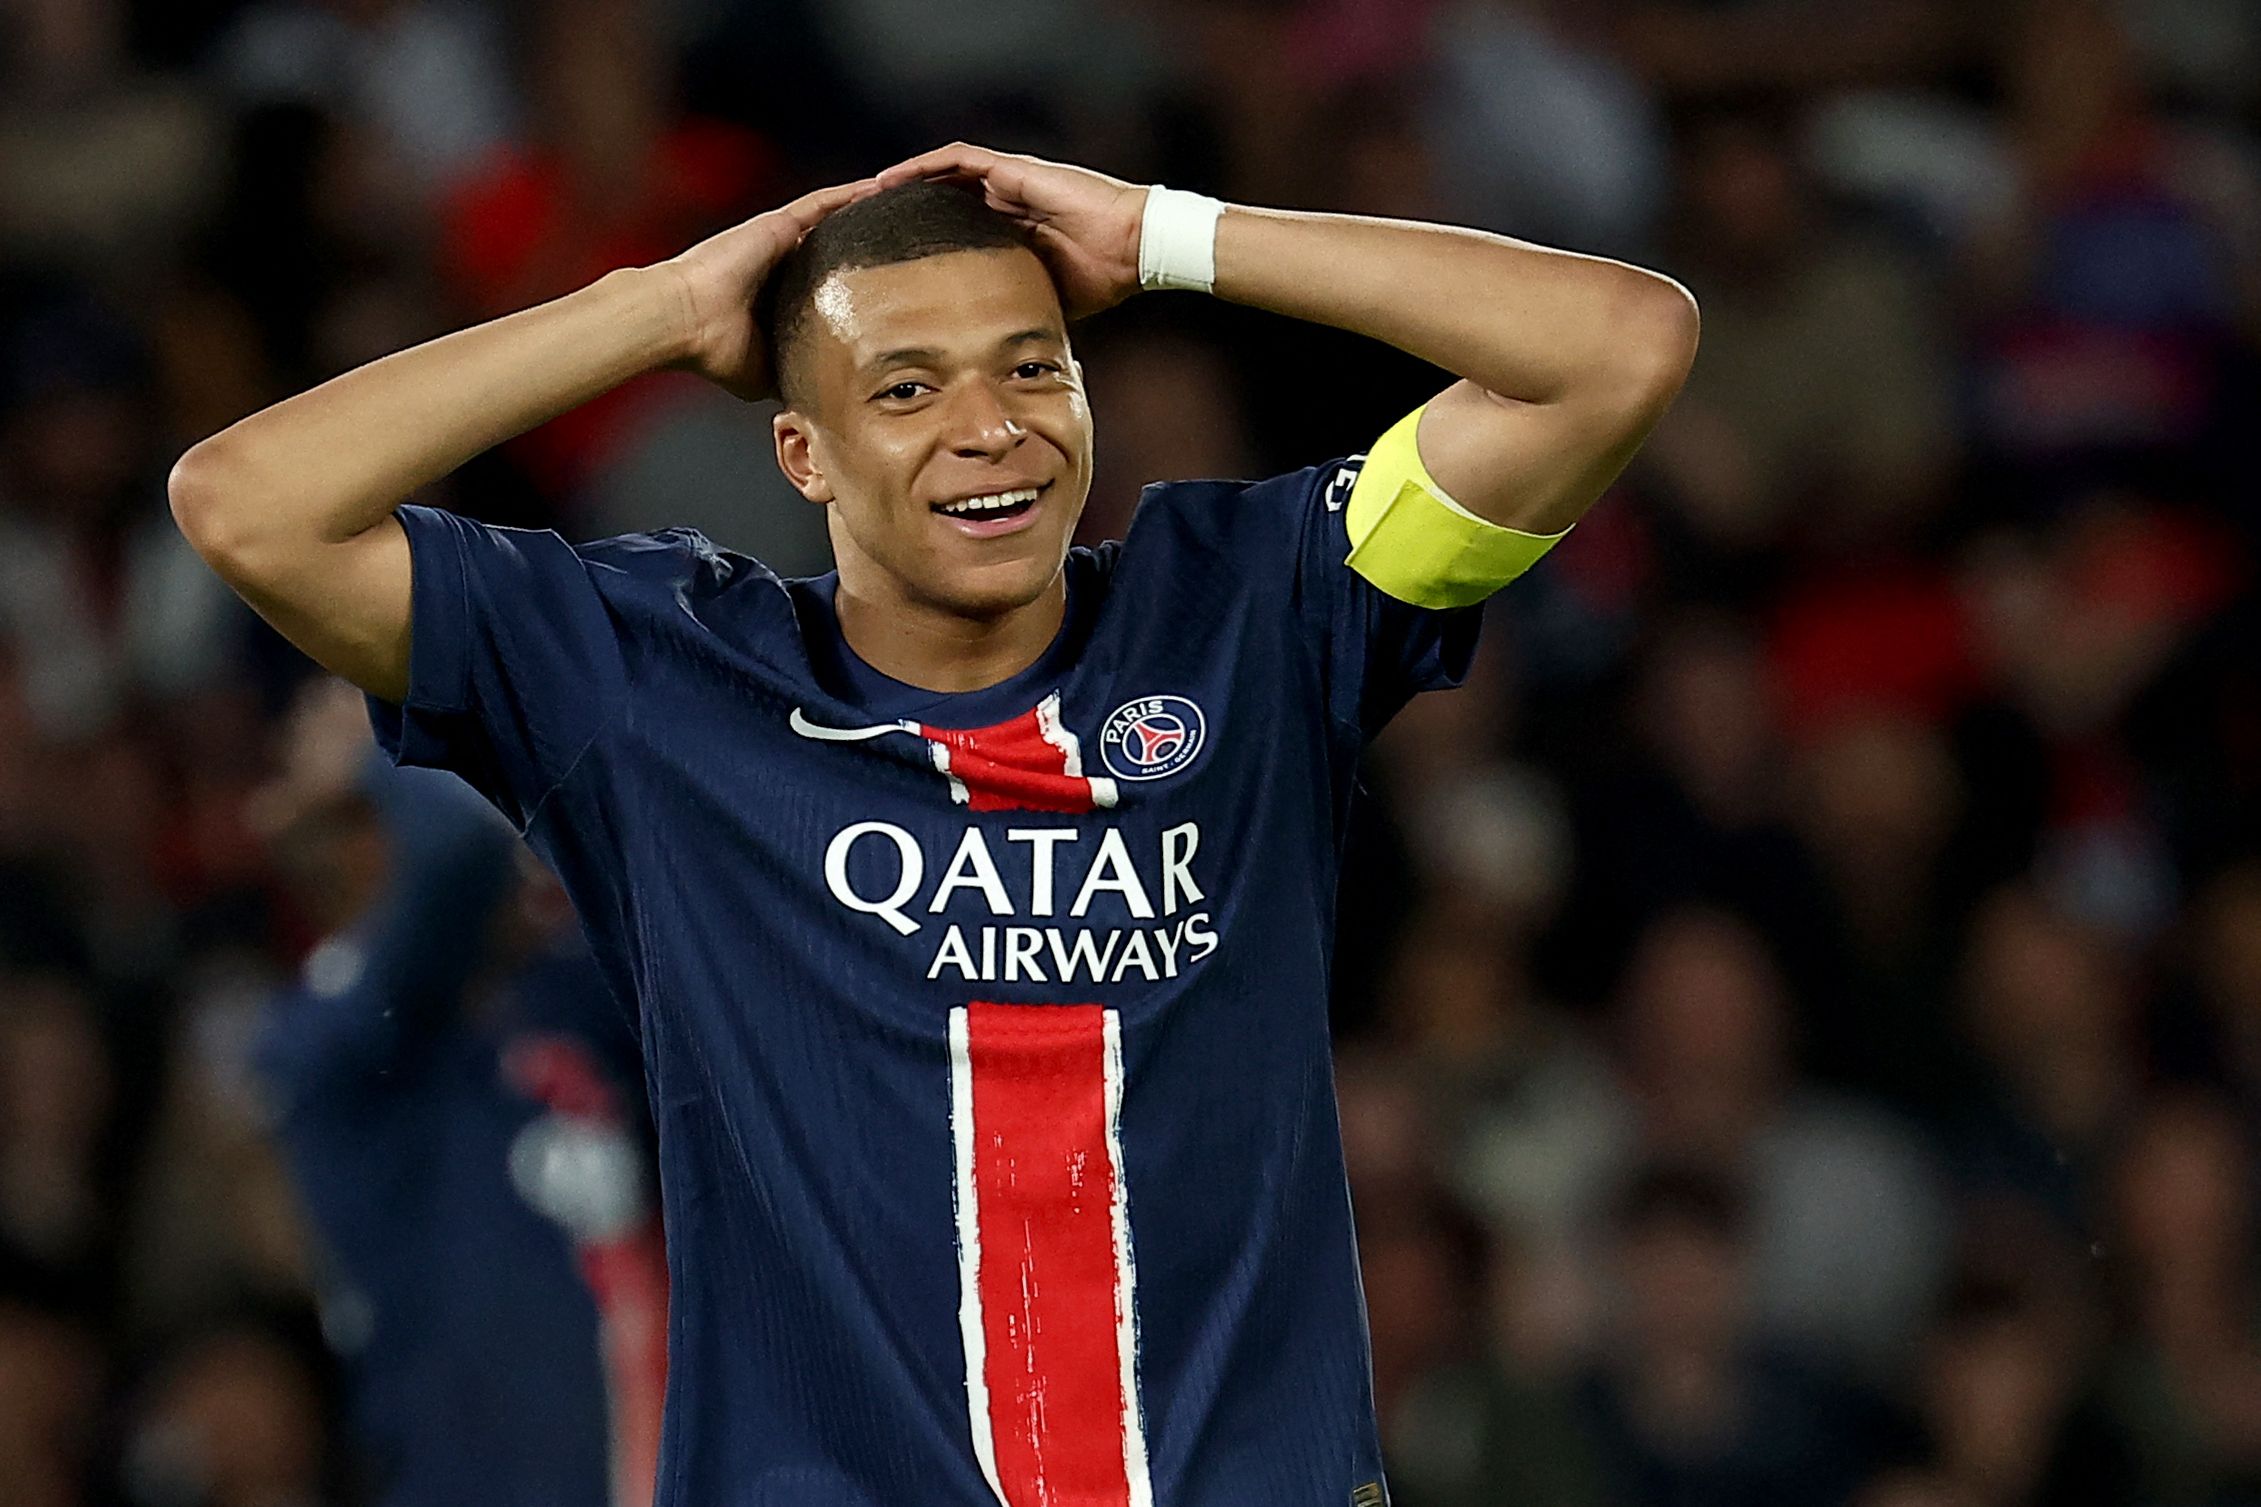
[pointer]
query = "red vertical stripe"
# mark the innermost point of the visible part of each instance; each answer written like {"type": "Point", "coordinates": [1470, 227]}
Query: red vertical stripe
{"type": "Point", "coordinates": [1049, 1281]}
{"type": "Point", "coordinates": [628, 1277]}
{"type": "Point", "coordinates": [1012, 766]}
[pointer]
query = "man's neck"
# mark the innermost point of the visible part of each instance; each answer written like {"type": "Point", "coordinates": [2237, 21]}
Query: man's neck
{"type": "Point", "coordinates": [938, 650]}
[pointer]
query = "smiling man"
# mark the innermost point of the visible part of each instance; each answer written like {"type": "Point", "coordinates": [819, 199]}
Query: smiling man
{"type": "Point", "coordinates": [976, 898]}
{"type": "Point", "coordinates": [942, 533]}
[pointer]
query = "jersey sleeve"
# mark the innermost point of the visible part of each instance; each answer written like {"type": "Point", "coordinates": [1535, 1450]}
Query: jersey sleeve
{"type": "Point", "coordinates": [515, 659]}
{"type": "Point", "coordinates": [1393, 575]}
{"type": "Point", "coordinates": [1375, 652]}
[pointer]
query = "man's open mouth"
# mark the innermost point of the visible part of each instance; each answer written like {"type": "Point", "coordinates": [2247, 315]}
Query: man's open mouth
{"type": "Point", "coordinates": [996, 507]}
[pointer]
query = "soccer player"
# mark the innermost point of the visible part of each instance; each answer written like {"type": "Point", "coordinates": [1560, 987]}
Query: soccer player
{"type": "Point", "coordinates": [976, 896]}
{"type": "Point", "coordinates": [458, 1099]}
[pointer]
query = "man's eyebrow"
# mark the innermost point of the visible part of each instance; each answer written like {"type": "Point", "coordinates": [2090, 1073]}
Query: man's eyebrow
{"type": "Point", "coordinates": [920, 355]}
{"type": "Point", "coordinates": [916, 355]}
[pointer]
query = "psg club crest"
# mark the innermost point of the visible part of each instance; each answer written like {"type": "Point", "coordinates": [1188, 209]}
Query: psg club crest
{"type": "Point", "coordinates": [1151, 737]}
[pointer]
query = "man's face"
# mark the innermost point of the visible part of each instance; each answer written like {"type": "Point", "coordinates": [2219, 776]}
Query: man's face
{"type": "Point", "coordinates": [929, 383]}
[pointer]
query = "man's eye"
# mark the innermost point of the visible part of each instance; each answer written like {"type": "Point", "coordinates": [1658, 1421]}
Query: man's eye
{"type": "Point", "coordinates": [903, 392]}
{"type": "Point", "coordinates": [1027, 368]}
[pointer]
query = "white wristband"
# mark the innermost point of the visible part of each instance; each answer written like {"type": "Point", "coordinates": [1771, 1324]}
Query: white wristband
{"type": "Point", "coordinates": [1177, 240]}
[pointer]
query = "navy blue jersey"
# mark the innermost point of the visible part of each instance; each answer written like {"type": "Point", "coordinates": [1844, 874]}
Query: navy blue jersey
{"type": "Point", "coordinates": [987, 1032]}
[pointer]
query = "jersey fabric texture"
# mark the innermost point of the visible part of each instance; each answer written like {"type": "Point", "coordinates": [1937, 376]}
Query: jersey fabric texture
{"type": "Point", "coordinates": [986, 1033]}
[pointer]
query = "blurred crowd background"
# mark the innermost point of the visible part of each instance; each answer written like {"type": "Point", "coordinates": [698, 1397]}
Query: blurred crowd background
{"type": "Point", "coordinates": [1799, 1008]}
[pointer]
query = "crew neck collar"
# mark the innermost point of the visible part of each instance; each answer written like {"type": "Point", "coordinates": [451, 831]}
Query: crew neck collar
{"type": "Point", "coordinates": [844, 672]}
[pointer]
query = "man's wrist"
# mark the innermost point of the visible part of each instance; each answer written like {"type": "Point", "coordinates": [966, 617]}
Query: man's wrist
{"type": "Point", "coordinates": [1177, 240]}
{"type": "Point", "coordinates": [660, 297]}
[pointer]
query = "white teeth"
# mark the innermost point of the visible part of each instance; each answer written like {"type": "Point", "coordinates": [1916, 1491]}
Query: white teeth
{"type": "Point", "coordinates": [990, 504]}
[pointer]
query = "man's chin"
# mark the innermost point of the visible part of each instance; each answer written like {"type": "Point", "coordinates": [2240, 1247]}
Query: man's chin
{"type": "Point", "coordinates": [996, 588]}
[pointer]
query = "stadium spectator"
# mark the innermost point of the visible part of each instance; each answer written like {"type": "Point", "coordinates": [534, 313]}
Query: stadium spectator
{"type": "Point", "coordinates": [233, 1410]}
{"type": "Point", "coordinates": [1172, 400]}
{"type": "Point", "coordinates": [1467, 1424]}
{"type": "Point", "coordinates": [1541, 129]}
{"type": "Point", "coordinates": [2225, 969]}
{"type": "Point", "coordinates": [425, 83]}
{"type": "Point", "coordinates": [50, 1393]}
{"type": "Point", "coordinates": [101, 161]}
{"type": "Point", "coordinates": [1846, 1234]}
{"type": "Point", "coordinates": [58, 1234]}
{"type": "Point", "coordinates": [1534, 1129]}
{"type": "Point", "coordinates": [1687, 1404]}
{"type": "Point", "coordinates": [608, 174]}
{"type": "Point", "coordinates": [1821, 413]}
{"type": "Point", "coordinates": [2004, 1412]}
{"type": "Point", "coordinates": [2116, 280]}
{"type": "Point", "coordinates": [2185, 1384]}
{"type": "Point", "coordinates": [2049, 1015]}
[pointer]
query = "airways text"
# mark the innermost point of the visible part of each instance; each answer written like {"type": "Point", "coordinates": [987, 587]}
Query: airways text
{"type": "Point", "coordinates": [1042, 874]}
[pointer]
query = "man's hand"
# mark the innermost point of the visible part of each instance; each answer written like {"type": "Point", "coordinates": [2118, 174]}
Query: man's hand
{"type": "Point", "coordinates": [293, 506]}
{"type": "Point", "coordinates": [1084, 224]}
{"type": "Point", "coordinates": [326, 743]}
{"type": "Point", "coordinates": [719, 277]}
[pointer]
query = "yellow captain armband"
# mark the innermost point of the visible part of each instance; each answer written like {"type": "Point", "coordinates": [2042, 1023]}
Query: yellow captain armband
{"type": "Point", "coordinates": [1410, 539]}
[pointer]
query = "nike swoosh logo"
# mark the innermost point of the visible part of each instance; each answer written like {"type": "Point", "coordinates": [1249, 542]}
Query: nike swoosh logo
{"type": "Point", "coordinates": [808, 729]}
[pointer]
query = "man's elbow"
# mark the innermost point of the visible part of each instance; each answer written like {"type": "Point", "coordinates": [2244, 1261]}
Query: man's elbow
{"type": "Point", "coordinates": [198, 489]}
{"type": "Point", "coordinates": [1658, 328]}
{"type": "Point", "coordinates": [215, 502]}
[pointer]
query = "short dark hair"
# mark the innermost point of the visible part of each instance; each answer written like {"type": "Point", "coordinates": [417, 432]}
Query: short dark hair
{"type": "Point", "coordinates": [900, 224]}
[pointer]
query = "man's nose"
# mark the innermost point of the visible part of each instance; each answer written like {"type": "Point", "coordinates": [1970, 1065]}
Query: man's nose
{"type": "Point", "coordinates": [979, 424]}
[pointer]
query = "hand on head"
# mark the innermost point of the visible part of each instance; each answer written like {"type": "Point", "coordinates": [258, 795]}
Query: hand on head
{"type": "Point", "coordinates": [1083, 223]}
{"type": "Point", "coordinates": [719, 277]}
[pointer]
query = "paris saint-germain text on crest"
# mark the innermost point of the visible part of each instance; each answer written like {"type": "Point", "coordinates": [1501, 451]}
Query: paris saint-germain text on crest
{"type": "Point", "coordinates": [1151, 737]}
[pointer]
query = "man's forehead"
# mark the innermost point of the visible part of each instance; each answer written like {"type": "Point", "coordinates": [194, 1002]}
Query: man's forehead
{"type": "Point", "coordinates": [954, 304]}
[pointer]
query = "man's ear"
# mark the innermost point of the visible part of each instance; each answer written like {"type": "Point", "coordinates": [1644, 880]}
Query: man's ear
{"type": "Point", "coordinates": [796, 442]}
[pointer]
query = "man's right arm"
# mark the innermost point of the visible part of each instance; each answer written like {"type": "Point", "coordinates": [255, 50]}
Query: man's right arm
{"type": "Point", "coordinates": [293, 506]}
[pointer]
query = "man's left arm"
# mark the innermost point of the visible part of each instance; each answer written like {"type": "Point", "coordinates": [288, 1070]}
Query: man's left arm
{"type": "Point", "coordinates": [1565, 361]}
